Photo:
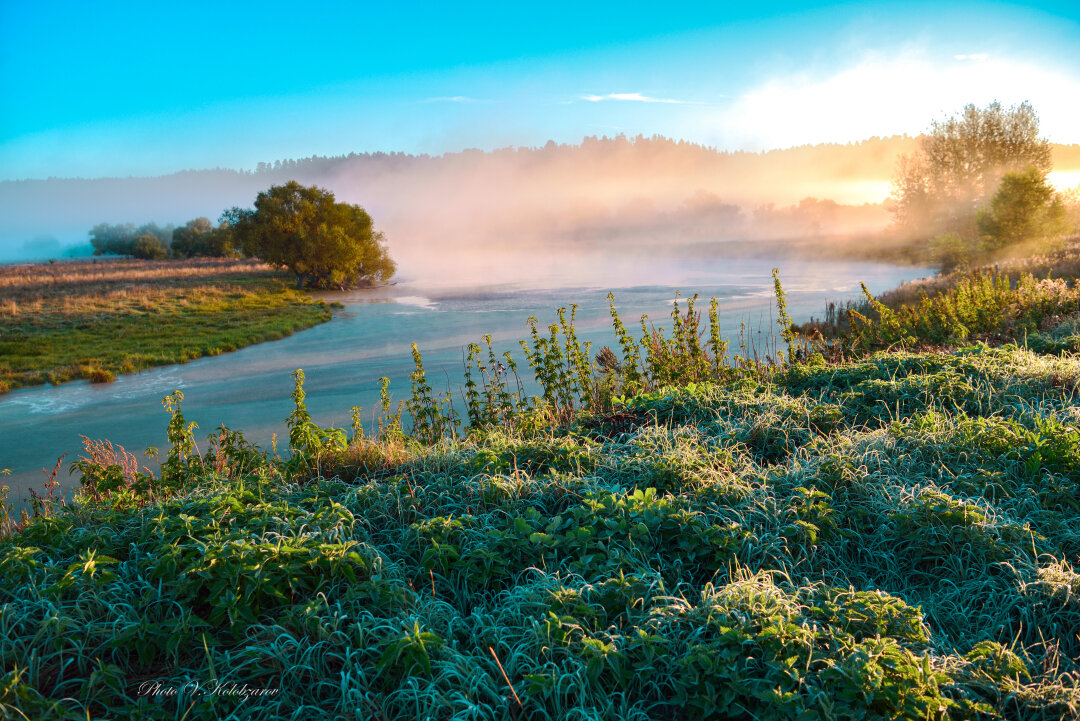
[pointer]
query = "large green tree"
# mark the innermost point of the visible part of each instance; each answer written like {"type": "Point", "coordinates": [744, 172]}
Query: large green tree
{"type": "Point", "coordinates": [304, 229]}
{"type": "Point", "coordinates": [959, 164]}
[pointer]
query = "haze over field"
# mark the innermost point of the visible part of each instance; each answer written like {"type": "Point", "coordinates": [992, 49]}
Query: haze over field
{"type": "Point", "coordinates": [472, 207]}
{"type": "Point", "coordinates": [383, 111]}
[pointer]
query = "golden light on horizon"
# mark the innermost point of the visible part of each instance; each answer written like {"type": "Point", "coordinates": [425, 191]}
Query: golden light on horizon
{"type": "Point", "coordinates": [1064, 180]}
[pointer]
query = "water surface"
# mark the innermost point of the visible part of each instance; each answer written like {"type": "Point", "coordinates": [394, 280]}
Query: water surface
{"type": "Point", "coordinates": [344, 359]}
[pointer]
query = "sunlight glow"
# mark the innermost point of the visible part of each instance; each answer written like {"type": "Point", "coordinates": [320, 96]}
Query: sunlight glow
{"type": "Point", "coordinates": [884, 96]}
{"type": "Point", "coordinates": [1065, 179]}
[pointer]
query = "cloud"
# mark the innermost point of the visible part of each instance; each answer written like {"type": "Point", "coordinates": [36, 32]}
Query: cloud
{"type": "Point", "coordinates": [635, 98]}
{"type": "Point", "coordinates": [977, 57]}
{"type": "Point", "coordinates": [891, 95]}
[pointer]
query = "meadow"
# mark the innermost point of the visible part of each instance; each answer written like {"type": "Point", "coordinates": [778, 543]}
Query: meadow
{"type": "Point", "coordinates": [93, 320]}
{"type": "Point", "coordinates": [880, 520]}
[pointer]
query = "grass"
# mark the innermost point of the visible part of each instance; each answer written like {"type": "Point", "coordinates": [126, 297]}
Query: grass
{"type": "Point", "coordinates": [95, 320]}
{"type": "Point", "coordinates": [1033, 301]}
{"type": "Point", "coordinates": [894, 535]}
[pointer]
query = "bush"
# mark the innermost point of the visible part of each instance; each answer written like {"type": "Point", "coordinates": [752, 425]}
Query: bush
{"type": "Point", "coordinates": [149, 247]}
{"type": "Point", "coordinates": [951, 251]}
{"type": "Point", "coordinates": [1024, 208]}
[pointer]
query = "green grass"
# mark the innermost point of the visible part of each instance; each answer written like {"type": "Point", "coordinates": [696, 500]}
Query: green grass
{"type": "Point", "coordinates": [98, 331]}
{"type": "Point", "coordinates": [894, 536]}
{"type": "Point", "coordinates": [1032, 301]}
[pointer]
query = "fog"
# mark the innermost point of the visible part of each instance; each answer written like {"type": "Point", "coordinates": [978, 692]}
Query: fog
{"type": "Point", "coordinates": [515, 214]}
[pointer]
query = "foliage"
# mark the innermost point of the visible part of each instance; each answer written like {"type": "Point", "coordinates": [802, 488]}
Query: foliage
{"type": "Point", "coordinates": [199, 238]}
{"type": "Point", "coordinates": [147, 242]}
{"type": "Point", "coordinates": [304, 229]}
{"type": "Point", "coordinates": [432, 414]}
{"type": "Point", "coordinates": [960, 162]}
{"type": "Point", "coordinates": [148, 247]}
{"type": "Point", "coordinates": [952, 251]}
{"type": "Point", "coordinates": [1025, 208]}
{"type": "Point", "coordinates": [492, 403]}
{"type": "Point", "coordinates": [684, 358]}
{"type": "Point", "coordinates": [535, 561]}
{"type": "Point", "coordinates": [306, 438]}
{"type": "Point", "coordinates": [891, 536]}
{"type": "Point", "coordinates": [995, 304]}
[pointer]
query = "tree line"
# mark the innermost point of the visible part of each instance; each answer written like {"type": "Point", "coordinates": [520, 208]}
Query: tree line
{"type": "Point", "coordinates": [302, 229]}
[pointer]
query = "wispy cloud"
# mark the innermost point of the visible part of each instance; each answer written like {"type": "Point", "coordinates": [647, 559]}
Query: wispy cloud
{"type": "Point", "coordinates": [635, 98]}
{"type": "Point", "coordinates": [977, 57]}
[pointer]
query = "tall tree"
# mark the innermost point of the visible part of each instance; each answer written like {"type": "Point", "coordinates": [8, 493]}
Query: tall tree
{"type": "Point", "coordinates": [959, 163]}
{"type": "Point", "coordinates": [305, 230]}
{"type": "Point", "coordinates": [149, 247]}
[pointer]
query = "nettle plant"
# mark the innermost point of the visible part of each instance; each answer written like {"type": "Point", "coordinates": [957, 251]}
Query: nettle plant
{"type": "Point", "coordinates": [110, 471]}
{"type": "Point", "coordinates": [683, 358]}
{"type": "Point", "coordinates": [183, 459]}
{"type": "Point", "coordinates": [491, 403]}
{"type": "Point", "coordinates": [985, 305]}
{"type": "Point", "coordinates": [433, 414]}
{"type": "Point", "coordinates": [308, 441]}
{"type": "Point", "coordinates": [560, 365]}
{"type": "Point", "coordinates": [569, 379]}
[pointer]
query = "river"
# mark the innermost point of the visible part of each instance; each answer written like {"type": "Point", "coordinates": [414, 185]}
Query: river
{"type": "Point", "coordinates": [370, 338]}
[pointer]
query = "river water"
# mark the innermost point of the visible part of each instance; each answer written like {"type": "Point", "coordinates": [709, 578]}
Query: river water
{"type": "Point", "coordinates": [370, 338]}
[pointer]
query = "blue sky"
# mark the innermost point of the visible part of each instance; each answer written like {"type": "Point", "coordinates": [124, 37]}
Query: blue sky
{"type": "Point", "coordinates": [94, 89]}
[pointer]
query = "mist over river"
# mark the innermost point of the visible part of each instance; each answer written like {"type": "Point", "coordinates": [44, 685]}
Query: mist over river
{"type": "Point", "coordinates": [344, 359]}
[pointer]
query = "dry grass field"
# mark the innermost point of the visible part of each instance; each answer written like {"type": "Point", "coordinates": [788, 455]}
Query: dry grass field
{"type": "Point", "coordinates": [94, 319]}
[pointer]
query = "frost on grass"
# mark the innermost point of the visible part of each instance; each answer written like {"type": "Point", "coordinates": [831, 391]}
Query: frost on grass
{"type": "Point", "coordinates": [892, 537]}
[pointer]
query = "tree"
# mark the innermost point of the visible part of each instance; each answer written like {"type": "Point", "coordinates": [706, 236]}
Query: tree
{"type": "Point", "coordinates": [1025, 208]}
{"type": "Point", "coordinates": [960, 162]}
{"type": "Point", "coordinates": [951, 251]}
{"type": "Point", "coordinates": [119, 239]}
{"type": "Point", "coordinates": [149, 247]}
{"type": "Point", "coordinates": [305, 230]}
{"type": "Point", "coordinates": [199, 237]}
{"type": "Point", "coordinates": [187, 240]}
{"type": "Point", "coordinates": [123, 239]}
{"type": "Point", "coordinates": [220, 242]}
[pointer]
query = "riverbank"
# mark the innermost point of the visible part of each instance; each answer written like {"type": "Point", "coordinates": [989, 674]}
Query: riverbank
{"type": "Point", "coordinates": [889, 536]}
{"type": "Point", "coordinates": [97, 319]}
{"type": "Point", "coordinates": [370, 338]}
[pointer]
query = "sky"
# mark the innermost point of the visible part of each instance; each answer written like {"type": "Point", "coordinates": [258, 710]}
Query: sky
{"type": "Point", "coordinates": [117, 89]}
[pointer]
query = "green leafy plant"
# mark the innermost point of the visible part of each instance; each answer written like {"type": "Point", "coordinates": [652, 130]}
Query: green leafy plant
{"type": "Point", "coordinates": [308, 441]}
